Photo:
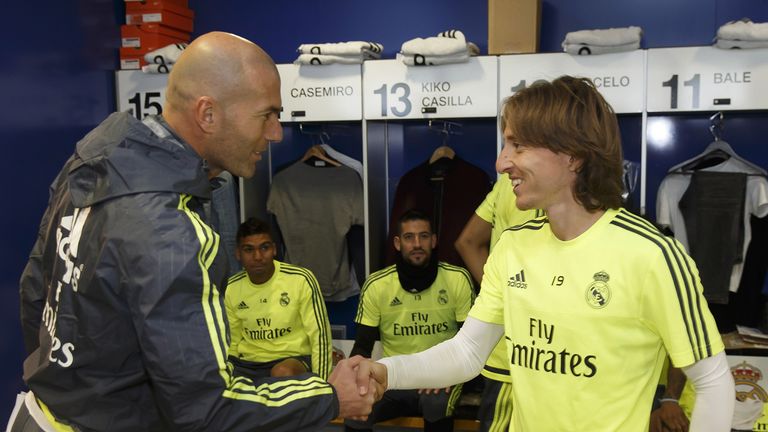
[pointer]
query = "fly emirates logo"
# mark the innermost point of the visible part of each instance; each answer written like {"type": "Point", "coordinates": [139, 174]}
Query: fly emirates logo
{"type": "Point", "coordinates": [541, 356]}
{"type": "Point", "coordinates": [419, 325]}
{"type": "Point", "coordinates": [264, 330]}
{"type": "Point", "coordinates": [67, 241]}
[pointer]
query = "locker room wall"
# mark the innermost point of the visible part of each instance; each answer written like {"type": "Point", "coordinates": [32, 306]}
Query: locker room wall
{"type": "Point", "coordinates": [57, 83]}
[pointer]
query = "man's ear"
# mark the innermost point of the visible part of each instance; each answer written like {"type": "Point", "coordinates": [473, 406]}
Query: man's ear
{"type": "Point", "coordinates": [237, 254]}
{"type": "Point", "coordinates": [206, 116]}
{"type": "Point", "coordinates": [434, 240]}
{"type": "Point", "coordinates": [397, 243]}
{"type": "Point", "coordinates": [574, 164]}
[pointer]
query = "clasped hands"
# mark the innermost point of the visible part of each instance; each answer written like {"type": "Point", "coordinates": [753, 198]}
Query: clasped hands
{"type": "Point", "coordinates": [359, 383]}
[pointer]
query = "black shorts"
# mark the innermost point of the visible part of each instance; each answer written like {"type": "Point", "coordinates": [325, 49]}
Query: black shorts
{"type": "Point", "coordinates": [259, 370]}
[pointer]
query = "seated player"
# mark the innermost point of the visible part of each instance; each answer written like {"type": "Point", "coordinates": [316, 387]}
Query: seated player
{"type": "Point", "coordinates": [276, 312]}
{"type": "Point", "coordinates": [412, 305]}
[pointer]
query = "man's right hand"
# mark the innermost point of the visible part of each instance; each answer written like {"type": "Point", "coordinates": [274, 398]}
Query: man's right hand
{"type": "Point", "coordinates": [371, 373]}
{"type": "Point", "coordinates": [355, 403]}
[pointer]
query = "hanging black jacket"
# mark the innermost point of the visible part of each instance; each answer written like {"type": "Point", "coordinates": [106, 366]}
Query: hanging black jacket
{"type": "Point", "coordinates": [122, 299]}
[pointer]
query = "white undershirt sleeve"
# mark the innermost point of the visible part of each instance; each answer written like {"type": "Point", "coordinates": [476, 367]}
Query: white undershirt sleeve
{"type": "Point", "coordinates": [454, 361]}
{"type": "Point", "coordinates": [715, 394]}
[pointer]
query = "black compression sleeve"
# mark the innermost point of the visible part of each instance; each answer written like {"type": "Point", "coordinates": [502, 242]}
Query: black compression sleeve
{"type": "Point", "coordinates": [364, 340]}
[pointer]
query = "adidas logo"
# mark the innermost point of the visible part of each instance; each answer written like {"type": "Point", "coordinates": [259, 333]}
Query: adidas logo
{"type": "Point", "coordinates": [242, 305]}
{"type": "Point", "coordinates": [518, 281]}
{"type": "Point", "coordinates": [395, 302]}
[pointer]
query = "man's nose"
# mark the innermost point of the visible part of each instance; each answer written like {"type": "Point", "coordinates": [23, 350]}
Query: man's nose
{"type": "Point", "coordinates": [274, 131]}
{"type": "Point", "coordinates": [503, 161]}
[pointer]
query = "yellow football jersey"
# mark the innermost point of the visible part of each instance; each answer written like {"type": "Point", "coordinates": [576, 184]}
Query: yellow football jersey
{"type": "Point", "coordinates": [499, 210]}
{"type": "Point", "coordinates": [283, 317]}
{"type": "Point", "coordinates": [589, 321]}
{"type": "Point", "coordinates": [412, 322]}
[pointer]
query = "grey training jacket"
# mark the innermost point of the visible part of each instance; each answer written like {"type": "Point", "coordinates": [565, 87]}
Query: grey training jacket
{"type": "Point", "coordinates": [122, 300]}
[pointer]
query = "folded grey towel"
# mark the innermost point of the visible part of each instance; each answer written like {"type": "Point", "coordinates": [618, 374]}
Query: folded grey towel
{"type": "Point", "coordinates": [584, 49]}
{"type": "Point", "coordinates": [743, 29]}
{"type": "Point", "coordinates": [320, 59]}
{"type": "Point", "coordinates": [371, 49]}
{"type": "Point", "coordinates": [432, 60]}
{"type": "Point", "coordinates": [448, 42]}
{"type": "Point", "coordinates": [604, 37]}
{"type": "Point", "coordinates": [740, 44]}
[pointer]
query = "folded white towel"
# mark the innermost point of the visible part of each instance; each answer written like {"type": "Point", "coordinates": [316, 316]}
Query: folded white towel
{"type": "Point", "coordinates": [473, 49]}
{"type": "Point", "coordinates": [320, 59]}
{"type": "Point", "coordinates": [453, 33]}
{"type": "Point", "coordinates": [432, 60]}
{"type": "Point", "coordinates": [740, 44]}
{"type": "Point", "coordinates": [446, 43]}
{"type": "Point", "coordinates": [743, 29]}
{"type": "Point", "coordinates": [604, 37]}
{"type": "Point", "coordinates": [165, 55]}
{"type": "Point", "coordinates": [584, 49]}
{"type": "Point", "coordinates": [157, 68]}
{"type": "Point", "coordinates": [372, 49]}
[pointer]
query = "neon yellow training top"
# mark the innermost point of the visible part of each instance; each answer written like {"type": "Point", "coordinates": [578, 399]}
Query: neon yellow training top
{"type": "Point", "coordinates": [283, 317]}
{"type": "Point", "coordinates": [499, 210]}
{"type": "Point", "coordinates": [412, 322]}
{"type": "Point", "coordinates": [588, 322]}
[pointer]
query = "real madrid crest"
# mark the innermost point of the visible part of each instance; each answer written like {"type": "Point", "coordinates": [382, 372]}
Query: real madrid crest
{"type": "Point", "coordinates": [747, 379]}
{"type": "Point", "coordinates": [284, 300]}
{"type": "Point", "coordinates": [598, 292]}
{"type": "Point", "coordinates": [442, 297]}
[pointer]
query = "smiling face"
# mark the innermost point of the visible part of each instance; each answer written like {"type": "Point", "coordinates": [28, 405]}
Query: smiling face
{"type": "Point", "coordinates": [556, 123]}
{"type": "Point", "coordinates": [256, 253]}
{"type": "Point", "coordinates": [540, 177]}
{"type": "Point", "coordinates": [415, 242]}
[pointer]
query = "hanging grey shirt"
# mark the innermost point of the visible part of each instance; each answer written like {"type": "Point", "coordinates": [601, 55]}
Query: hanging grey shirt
{"type": "Point", "coordinates": [315, 208]}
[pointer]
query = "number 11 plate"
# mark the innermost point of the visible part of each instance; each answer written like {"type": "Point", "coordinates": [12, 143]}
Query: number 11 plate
{"type": "Point", "coordinates": [707, 79]}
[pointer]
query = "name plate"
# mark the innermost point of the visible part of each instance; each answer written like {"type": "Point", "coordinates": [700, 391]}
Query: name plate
{"type": "Point", "coordinates": [707, 79]}
{"type": "Point", "coordinates": [619, 77]}
{"type": "Point", "coordinates": [320, 93]}
{"type": "Point", "coordinates": [396, 91]}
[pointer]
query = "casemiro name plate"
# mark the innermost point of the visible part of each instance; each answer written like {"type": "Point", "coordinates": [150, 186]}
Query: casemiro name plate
{"type": "Point", "coordinates": [321, 93]}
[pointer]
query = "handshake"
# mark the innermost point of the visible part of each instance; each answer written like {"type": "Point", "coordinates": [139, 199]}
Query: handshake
{"type": "Point", "coordinates": [359, 383]}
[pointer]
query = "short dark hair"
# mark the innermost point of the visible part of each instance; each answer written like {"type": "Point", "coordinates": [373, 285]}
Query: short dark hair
{"type": "Point", "coordinates": [253, 226]}
{"type": "Point", "coordinates": [568, 115]}
{"type": "Point", "coordinates": [412, 215]}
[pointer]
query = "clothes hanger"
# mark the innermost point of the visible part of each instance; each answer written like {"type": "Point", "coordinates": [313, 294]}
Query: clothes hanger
{"type": "Point", "coordinates": [324, 146]}
{"type": "Point", "coordinates": [444, 151]}
{"type": "Point", "coordinates": [717, 152]}
{"type": "Point", "coordinates": [316, 154]}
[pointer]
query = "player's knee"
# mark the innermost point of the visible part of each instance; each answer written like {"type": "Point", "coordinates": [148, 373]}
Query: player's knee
{"type": "Point", "coordinates": [288, 368]}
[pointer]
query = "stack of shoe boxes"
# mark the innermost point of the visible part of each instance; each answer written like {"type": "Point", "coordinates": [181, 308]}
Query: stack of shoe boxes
{"type": "Point", "coordinates": [151, 25]}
